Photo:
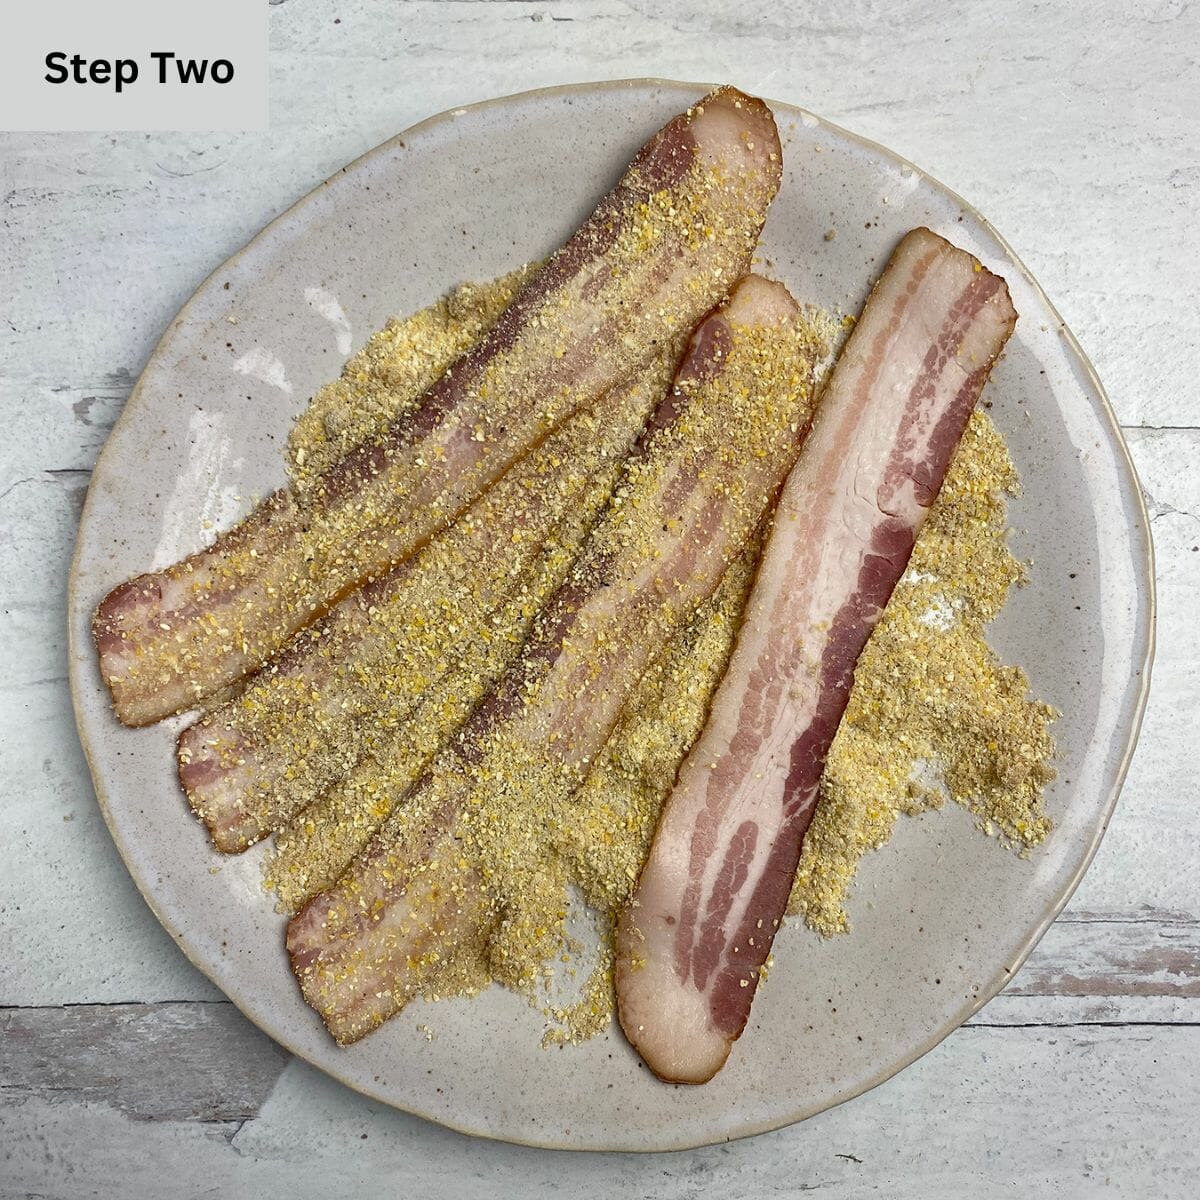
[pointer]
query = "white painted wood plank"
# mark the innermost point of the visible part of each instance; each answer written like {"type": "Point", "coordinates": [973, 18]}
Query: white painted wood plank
{"type": "Point", "coordinates": [160, 1062]}
{"type": "Point", "coordinates": [1073, 1112]}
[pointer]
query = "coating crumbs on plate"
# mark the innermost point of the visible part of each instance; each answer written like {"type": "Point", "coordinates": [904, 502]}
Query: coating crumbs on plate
{"type": "Point", "coordinates": [387, 377]}
{"type": "Point", "coordinates": [389, 696]}
{"type": "Point", "coordinates": [580, 328]}
{"type": "Point", "coordinates": [375, 671]}
{"type": "Point", "coordinates": [526, 792]}
{"type": "Point", "coordinates": [933, 712]}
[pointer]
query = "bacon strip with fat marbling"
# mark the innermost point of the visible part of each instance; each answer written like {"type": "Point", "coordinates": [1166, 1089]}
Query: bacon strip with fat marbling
{"type": "Point", "coordinates": [691, 944]}
{"type": "Point", "coordinates": [346, 685]}
{"type": "Point", "coordinates": [712, 461]}
{"type": "Point", "coordinates": [655, 256]}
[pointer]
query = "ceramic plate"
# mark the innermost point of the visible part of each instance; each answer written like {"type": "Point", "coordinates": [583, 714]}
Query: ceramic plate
{"type": "Point", "coordinates": [942, 917]}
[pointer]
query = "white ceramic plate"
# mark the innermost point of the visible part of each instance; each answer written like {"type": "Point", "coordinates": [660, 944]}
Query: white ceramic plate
{"type": "Point", "coordinates": [942, 917]}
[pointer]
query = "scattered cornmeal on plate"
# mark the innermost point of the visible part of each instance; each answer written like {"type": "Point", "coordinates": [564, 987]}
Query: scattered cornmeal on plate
{"type": "Point", "coordinates": [392, 372]}
{"type": "Point", "coordinates": [933, 713]}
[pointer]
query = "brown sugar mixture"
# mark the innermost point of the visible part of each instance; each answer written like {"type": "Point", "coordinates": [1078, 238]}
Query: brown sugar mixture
{"type": "Point", "coordinates": [934, 714]}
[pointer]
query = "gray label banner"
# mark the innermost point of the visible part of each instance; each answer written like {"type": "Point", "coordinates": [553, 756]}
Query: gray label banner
{"type": "Point", "coordinates": [133, 64]}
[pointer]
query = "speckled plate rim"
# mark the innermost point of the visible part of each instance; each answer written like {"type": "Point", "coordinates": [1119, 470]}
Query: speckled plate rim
{"type": "Point", "coordinates": [1136, 692]}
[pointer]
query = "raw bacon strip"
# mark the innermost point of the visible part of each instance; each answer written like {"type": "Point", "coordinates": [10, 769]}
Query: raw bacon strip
{"type": "Point", "coordinates": [348, 683]}
{"type": "Point", "coordinates": [719, 446]}
{"type": "Point", "coordinates": [657, 254]}
{"type": "Point", "coordinates": [710, 898]}
{"type": "Point", "coordinates": [315, 848]}
{"type": "Point", "coordinates": [633, 775]}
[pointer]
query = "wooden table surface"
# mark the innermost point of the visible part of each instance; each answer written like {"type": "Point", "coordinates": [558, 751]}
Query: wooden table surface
{"type": "Point", "coordinates": [1074, 126]}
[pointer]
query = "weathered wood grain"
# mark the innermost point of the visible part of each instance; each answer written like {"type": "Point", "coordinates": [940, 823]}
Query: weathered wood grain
{"type": "Point", "coordinates": [1093, 969]}
{"type": "Point", "coordinates": [172, 1062]}
{"type": "Point", "coordinates": [204, 1061]}
{"type": "Point", "coordinates": [1114, 958]}
{"type": "Point", "coordinates": [1075, 1112]}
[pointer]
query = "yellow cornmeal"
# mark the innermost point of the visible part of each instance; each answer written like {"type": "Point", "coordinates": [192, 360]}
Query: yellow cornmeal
{"type": "Point", "coordinates": [620, 799]}
{"type": "Point", "coordinates": [523, 792]}
{"type": "Point", "coordinates": [367, 667]}
{"type": "Point", "coordinates": [671, 251]}
{"type": "Point", "coordinates": [316, 846]}
{"type": "Point", "coordinates": [391, 373]}
{"type": "Point", "coordinates": [933, 713]}
{"type": "Point", "coordinates": [688, 502]}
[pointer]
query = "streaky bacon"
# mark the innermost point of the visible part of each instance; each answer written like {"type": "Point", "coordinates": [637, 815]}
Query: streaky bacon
{"type": "Point", "coordinates": [693, 941]}
{"type": "Point", "coordinates": [654, 257]}
{"type": "Point", "coordinates": [693, 494]}
{"type": "Point", "coordinates": [343, 687]}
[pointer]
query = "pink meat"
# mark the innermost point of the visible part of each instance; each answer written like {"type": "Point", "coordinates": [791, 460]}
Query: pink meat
{"type": "Point", "coordinates": [713, 892]}
{"type": "Point", "coordinates": [362, 949]}
{"type": "Point", "coordinates": [595, 314]}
